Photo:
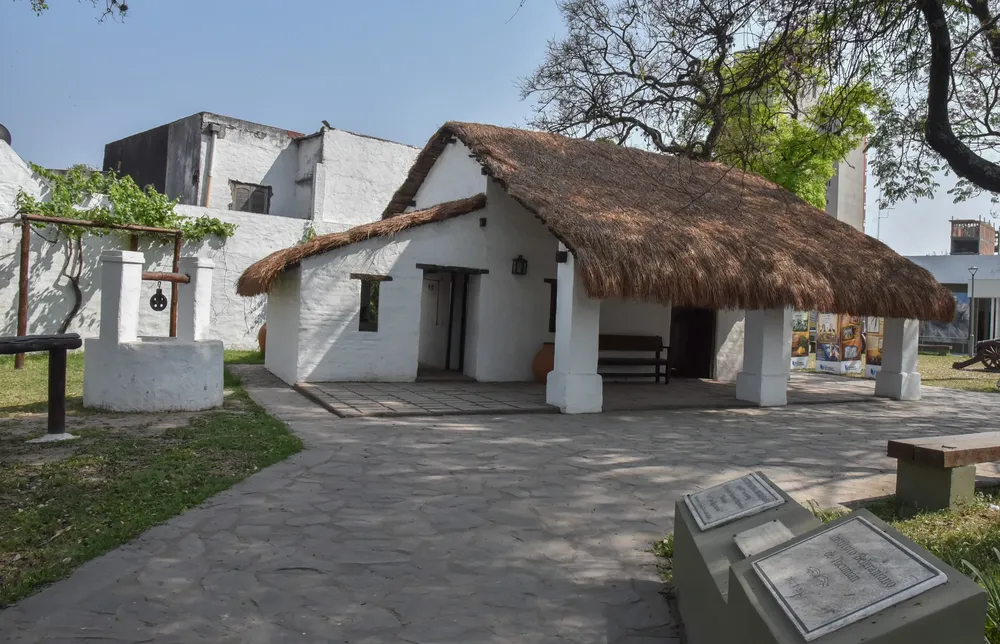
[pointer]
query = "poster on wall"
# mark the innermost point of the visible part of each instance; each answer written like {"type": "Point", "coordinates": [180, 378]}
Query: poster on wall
{"type": "Point", "coordinates": [850, 344]}
{"type": "Point", "coordinates": [800, 340]}
{"type": "Point", "coordinates": [828, 343]}
{"type": "Point", "coordinates": [873, 350]}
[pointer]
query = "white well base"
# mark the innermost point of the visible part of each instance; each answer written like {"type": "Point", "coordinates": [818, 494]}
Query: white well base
{"type": "Point", "coordinates": [575, 393]}
{"type": "Point", "coordinates": [152, 374]}
{"type": "Point", "coordinates": [898, 386]}
{"type": "Point", "coordinates": [766, 391]}
{"type": "Point", "coordinates": [53, 438]}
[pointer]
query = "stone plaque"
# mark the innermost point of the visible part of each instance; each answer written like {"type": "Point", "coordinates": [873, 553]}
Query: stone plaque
{"type": "Point", "coordinates": [764, 537]}
{"type": "Point", "coordinates": [732, 500]}
{"type": "Point", "coordinates": [844, 574]}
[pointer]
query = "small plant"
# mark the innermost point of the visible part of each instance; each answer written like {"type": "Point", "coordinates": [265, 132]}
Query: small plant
{"type": "Point", "coordinates": [826, 515]}
{"type": "Point", "coordinates": [664, 551]}
{"type": "Point", "coordinates": [991, 583]}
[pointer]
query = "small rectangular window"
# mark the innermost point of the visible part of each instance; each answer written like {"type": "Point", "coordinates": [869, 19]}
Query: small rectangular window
{"type": "Point", "coordinates": [250, 197]}
{"type": "Point", "coordinates": [368, 311]}
{"type": "Point", "coordinates": [369, 306]}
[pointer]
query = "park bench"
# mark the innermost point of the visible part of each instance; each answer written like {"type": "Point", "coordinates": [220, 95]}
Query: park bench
{"type": "Point", "coordinates": [57, 346]}
{"type": "Point", "coordinates": [652, 344]}
{"type": "Point", "coordinates": [940, 472]}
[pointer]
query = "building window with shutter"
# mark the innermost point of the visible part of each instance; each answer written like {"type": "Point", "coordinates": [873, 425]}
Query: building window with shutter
{"type": "Point", "coordinates": [368, 311]}
{"type": "Point", "coordinates": [250, 197]}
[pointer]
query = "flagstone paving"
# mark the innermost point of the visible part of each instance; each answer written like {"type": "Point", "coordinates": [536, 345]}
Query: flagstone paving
{"type": "Point", "coordinates": [465, 529]}
{"type": "Point", "coordinates": [458, 397]}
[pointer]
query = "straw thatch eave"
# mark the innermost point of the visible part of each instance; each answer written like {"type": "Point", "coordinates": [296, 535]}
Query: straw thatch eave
{"type": "Point", "coordinates": [258, 278]}
{"type": "Point", "coordinates": [661, 228]}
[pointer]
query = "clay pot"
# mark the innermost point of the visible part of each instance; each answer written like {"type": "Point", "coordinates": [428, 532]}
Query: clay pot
{"type": "Point", "coordinates": [544, 361]}
{"type": "Point", "coordinates": [262, 338]}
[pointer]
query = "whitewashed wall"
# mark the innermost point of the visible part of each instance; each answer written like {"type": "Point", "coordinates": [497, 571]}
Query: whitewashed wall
{"type": "Point", "coordinates": [235, 320]}
{"type": "Point", "coordinates": [281, 357]}
{"type": "Point", "coordinates": [363, 173]}
{"type": "Point", "coordinates": [455, 175]}
{"type": "Point", "coordinates": [357, 177]}
{"type": "Point", "coordinates": [254, 155]}
{"type": "Point", "coordinates": [508, 314]}
{"type": "Point", "coordinates": [729, 344]}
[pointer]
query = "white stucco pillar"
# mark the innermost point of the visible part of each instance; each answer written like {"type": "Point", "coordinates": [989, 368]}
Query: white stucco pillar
{"type": "Point", "coordinates": [121, 287]}
{"type": "Point", "coordinates": [898, 379]}
{"type": "Point", "coordinates": [767, 357]}
{"type": "Point", "coordinates": [573, 385]}
{"type": "Point", "coordinates": [194, 299]}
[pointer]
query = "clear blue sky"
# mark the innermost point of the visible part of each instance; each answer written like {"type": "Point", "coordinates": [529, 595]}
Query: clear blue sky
{"type": "Point", "coordinates": [391, 68]}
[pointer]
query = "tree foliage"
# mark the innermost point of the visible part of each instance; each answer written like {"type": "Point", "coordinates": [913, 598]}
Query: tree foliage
{"type": "Point", "coordinates": [742, 79]}
{"type": "Point", "coordinates": [82, 193]}
{"type": "Point", "coordinates": [108, 8]}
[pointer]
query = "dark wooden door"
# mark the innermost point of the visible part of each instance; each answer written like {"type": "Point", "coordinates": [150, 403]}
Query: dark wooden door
{"type": "Point", "coordinates": [692, 342]}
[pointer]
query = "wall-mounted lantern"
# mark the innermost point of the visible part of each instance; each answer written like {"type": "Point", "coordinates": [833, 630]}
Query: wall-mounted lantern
{"type": "Point", "coordinates": [520, 266]}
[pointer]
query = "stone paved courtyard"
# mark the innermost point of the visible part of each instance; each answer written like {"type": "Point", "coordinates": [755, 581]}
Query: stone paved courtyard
{"type": "Point", "coordinates": [456, 397]}
{"type": "Point", "coordinates": [465, 529]}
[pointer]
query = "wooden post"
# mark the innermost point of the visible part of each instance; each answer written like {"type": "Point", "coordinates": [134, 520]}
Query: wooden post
{"type": "Point", "coordinates": [22, 289]}
{"type": "Point", "coordinates": [133, 242]}
{"type": "Point", "coordinates": [173, 286]}
{"type": "Point", "coordinates": [57, 391]}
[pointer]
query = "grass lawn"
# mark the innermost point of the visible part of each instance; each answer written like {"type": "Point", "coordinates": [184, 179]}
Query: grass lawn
{"type": "Point", "coordinates": [64, 503]}
{"type": "Point", "coordinates": [966, 539]}
{"type": "Point", "coordinates": [936, 371]}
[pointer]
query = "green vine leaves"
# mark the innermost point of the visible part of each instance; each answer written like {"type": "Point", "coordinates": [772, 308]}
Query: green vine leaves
{"type": "Point", "coordinates": [106, 198]}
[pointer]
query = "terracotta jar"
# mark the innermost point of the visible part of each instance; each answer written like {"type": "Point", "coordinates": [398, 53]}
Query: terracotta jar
{"type": "Point", "coordinates": [262, 338]}
{"type": "Point", "coordinates": [544, 361]}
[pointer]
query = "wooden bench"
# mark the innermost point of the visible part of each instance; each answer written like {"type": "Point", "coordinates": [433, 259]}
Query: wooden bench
{"type": "Point", "coordinates": [638, 344]}
{"type": "Point", "coordinates": [940, 472]}
{"type": "Point", "coordinates": [57, 346]}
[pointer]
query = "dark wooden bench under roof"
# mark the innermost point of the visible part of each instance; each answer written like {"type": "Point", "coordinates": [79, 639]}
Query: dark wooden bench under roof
{"type": "Point", "coordinates": [940, 471]}
{"type": "Point", "coordinates": [652, 344]}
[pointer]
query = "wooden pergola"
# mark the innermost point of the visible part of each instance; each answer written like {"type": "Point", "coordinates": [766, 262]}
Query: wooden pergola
{"type": "Point", "coordinates": [22, 288]}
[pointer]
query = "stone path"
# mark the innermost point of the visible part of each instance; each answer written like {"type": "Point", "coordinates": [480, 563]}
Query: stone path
{"type": "Point", "coordinates": [464, 529]}
{"type": "Point", "coordinates": [444, 398]}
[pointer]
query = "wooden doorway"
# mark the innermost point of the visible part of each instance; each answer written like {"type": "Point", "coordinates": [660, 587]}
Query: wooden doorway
{"type": "Point", "coordinates": [692, 342]}
{"type": "Point", "coordinates": [444, 314]}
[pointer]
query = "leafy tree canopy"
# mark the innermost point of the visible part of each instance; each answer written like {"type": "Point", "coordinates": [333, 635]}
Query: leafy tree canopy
{"type": "Point", "coordinates": [745, 80]}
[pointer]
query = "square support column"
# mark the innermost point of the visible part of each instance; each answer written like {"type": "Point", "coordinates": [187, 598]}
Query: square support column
{"type": "Point", "coordinates": [573, 385]}
{"type": "Point", "coordinates": [121, 289]}
{"type": "Point", "coordinates": [898, 379]}
{"type": "Point", "coordinates": [767, 357]}
{"type": "Point", "coordinates": [195, 299]}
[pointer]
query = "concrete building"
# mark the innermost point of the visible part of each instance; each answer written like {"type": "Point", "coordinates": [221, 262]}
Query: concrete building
{"type": "Point", "coordinates": [500, 240]}
{"type": "Point", "coordinates": [214, 161]}
{"type": "Point", "coordinates": [278, 187]}
{"type": "Point", "coordinates": [845, 192]}
{"type": "Point", "coordinates": [971, 271]}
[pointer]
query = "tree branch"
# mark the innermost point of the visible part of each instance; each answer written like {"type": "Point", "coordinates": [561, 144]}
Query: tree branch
{"type": "Point", "coordinates": [938, 130]}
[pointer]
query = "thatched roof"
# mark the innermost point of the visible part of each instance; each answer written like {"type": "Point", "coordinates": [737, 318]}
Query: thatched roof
{"type": "Point", "coordinates": [259, 276]}
{"type": "Point", "coordinates": [653, 227]}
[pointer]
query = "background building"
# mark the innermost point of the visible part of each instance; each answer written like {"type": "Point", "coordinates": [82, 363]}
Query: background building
{"type": "Point", "coordinates": [972, 250]}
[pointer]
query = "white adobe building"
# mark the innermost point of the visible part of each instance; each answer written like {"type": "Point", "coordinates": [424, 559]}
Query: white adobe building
{"type": "Point", "coordinates": [637, 244]}
{"type": "Point", "coordinates": [277, 186]}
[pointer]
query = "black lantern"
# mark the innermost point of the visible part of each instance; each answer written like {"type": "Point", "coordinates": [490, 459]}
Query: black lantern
{"type": "Point", "coordinates": [520, 266]}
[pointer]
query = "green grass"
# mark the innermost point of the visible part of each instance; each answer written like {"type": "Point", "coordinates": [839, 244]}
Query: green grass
{"type": "Point", "coordinates": [26, 391]}
{"type": "Point", "coordinates": [240, 356]}
{"type": "Point", "coordinates": [937, 371]}
{"type": "Point", "coordinates": [62, 504]}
